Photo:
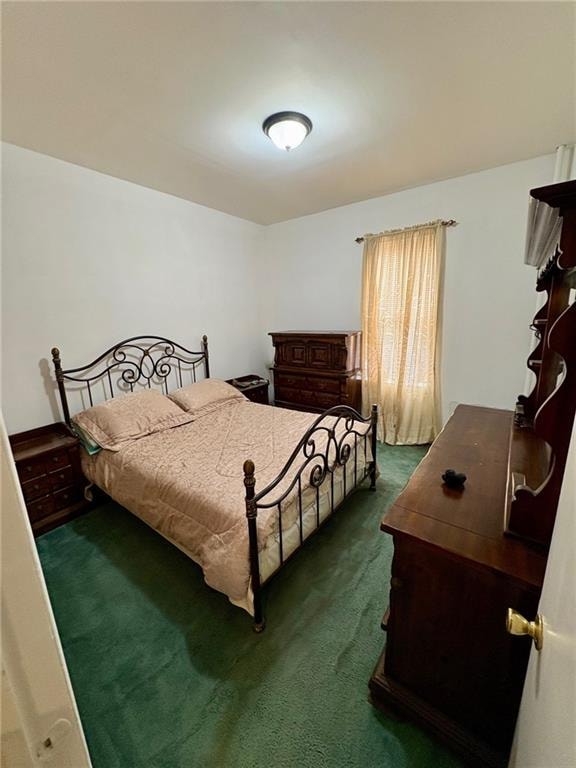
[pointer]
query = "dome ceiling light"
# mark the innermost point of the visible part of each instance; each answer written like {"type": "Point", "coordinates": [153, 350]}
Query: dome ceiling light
{"type": "Point", "coordinates": [287, 130]}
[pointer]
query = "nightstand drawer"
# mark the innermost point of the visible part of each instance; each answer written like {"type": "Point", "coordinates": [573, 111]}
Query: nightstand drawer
{"type": "Point", "coordinates": [57, 460]}
{"type": "Point", "coordinates": [40, 509]}
{"type": "Point", "coordinates": [33, 489]}
{"type": "Point", "coordinates": [30, 468]}
{"type": "Point", "coordinates": [258, 394]}
{"type": "Point", "coordinates": [67, 496]}
{"type": "Point", "coordinates": [62, 478]}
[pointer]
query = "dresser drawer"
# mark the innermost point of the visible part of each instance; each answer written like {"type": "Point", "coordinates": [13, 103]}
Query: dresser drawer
{"type": "Point", "coordinates": [329, 399]}
{"type": "Point", "coordinates": [62, 478]}
{"type": "Point", "coordinates": [34, 489]}
{"type": "Point", "coordinates": [292, 380]}
{"type": "Point", "coordinates": [293, 395]}
{"type": "Point", "coordinates": [310, 383]}
{"type": "Point", "coordinates": [308, 397]}
{"type": "Point", "coordinates": [40, 509]}
{"type": "Point", "coordinates": [321, 384]}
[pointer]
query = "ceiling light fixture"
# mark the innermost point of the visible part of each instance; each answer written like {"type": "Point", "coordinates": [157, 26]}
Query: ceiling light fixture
{"type": "Point", "coordinates": [287, 130]}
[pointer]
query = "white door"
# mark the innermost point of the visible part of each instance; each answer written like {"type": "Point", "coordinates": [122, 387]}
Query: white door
{"type": "Point", "coordinates": [40, 721]}
{"type": "Point", "coordinates": [546, 729]}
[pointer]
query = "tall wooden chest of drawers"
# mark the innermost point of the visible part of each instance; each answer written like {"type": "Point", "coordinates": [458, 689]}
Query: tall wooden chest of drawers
{"type": "Point", "coordinates": [315, 370]}
{"type": "Point", "coordinates": [48, 464]}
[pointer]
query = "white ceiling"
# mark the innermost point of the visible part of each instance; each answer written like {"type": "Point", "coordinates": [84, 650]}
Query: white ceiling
{"type": "Point", "coordinates": [173, 95]}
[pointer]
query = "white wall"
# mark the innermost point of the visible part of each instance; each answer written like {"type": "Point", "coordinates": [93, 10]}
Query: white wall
{"type": "Point", "coordinates": [89, 260]}
{"type": "Point", "coordinates": [312, 271]}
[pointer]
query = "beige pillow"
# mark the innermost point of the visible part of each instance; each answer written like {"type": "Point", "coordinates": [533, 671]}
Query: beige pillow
{"type": "Point", "coordinates": [118, 421]}
{"type": "Point", "coordinates": [205, 396]}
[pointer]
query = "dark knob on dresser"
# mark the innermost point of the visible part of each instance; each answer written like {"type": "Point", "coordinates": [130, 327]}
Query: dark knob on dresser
{"type": "Point", "coordinates": [454, 479]}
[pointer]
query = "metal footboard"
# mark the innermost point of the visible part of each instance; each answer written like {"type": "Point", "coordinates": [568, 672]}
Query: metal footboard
{"type": "Point", "coordinates": [330, 442]}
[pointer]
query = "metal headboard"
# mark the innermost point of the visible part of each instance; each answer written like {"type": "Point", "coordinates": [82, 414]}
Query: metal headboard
{"type": "Point", "coordinates": [141, 360]}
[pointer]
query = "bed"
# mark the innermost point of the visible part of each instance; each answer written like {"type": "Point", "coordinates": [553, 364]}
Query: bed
{"type": "Point", "coordinates": [194, 482]}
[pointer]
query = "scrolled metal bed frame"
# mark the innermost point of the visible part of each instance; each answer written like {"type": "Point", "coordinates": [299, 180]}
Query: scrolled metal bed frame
{"type": "Point", "coordinates": [141, 359]}
{"type": "Point", "coordinates": [321, 463]}
{"type": "Point", "coordinates": [324, 448]}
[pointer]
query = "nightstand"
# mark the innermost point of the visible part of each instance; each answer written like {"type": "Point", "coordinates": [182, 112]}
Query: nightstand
{"type": "Point", "coordinates": [254, 387]}
{"type": "Point", "coordinates": [48, 464]}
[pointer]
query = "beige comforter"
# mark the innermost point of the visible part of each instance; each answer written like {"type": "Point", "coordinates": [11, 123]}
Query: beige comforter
{"type": "Point", "coordinates": [187, 483]}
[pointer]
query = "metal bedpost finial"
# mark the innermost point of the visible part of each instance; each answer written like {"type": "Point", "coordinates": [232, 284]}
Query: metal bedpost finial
{"type": "Point", "coordinates": [60, 381]}
{"type": "Point", "coordinates": [249, 479]}
{"type": "Point", "coordinates": [57, 364]}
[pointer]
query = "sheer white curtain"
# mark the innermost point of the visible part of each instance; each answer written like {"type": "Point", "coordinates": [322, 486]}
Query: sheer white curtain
{"type": "Point", "coordinates": [400, 300]}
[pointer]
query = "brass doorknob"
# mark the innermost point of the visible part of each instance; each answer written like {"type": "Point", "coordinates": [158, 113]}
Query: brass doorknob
{"type": "Point", "coordinates": [516, 624]}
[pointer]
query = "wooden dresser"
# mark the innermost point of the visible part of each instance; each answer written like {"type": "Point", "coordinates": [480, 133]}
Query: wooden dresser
{"type": "Point", "coordinates": [448, 661]}
{"type": "Point", "coordinates": [466, 559]}
{"type": "Point", "coordinates": [48, 464]}
{"type": "Point", "coordinates": [315, 370]}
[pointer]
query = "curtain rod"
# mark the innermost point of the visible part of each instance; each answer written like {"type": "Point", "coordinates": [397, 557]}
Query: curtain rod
{"type": "Point", "coordinates": [448, 223]}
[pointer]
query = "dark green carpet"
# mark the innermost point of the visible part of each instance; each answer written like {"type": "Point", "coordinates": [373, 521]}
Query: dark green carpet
{"type": "Point", "coordinates": [168, 674]}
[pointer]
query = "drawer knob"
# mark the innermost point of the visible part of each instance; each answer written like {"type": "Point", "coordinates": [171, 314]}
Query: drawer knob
{"type": "Point", "coordinates": [516, 624]}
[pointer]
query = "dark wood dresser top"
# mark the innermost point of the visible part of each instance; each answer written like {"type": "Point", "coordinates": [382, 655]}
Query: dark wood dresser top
{"type": "Point", "coordinates": [313, 333]}
{"type": "Point", "coordinates": [467, 523]}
